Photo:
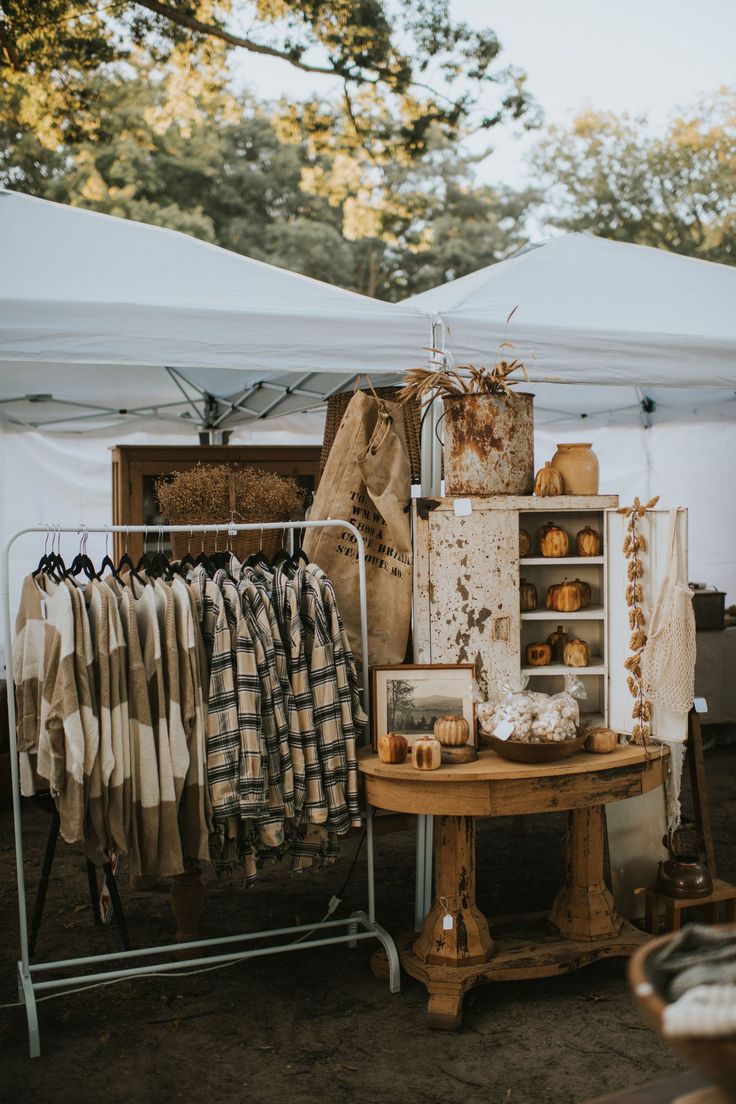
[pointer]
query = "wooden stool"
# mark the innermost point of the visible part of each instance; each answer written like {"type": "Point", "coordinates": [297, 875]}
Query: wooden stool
{"type": "Point", "coordinates": [723, 894]}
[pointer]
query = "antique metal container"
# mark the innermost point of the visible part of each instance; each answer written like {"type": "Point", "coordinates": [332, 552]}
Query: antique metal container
{"type": "Point", "coordinates": [489, 444]}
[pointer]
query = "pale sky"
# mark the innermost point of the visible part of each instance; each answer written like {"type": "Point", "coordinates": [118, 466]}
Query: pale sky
{"type": "Point", "coordinates": [638, 56]}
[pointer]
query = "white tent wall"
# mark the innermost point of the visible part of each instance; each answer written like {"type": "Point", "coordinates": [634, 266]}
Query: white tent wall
{"type": "Point", "coordinates": [689, 465]}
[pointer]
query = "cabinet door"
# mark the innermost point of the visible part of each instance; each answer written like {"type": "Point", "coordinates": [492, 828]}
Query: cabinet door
{"type": "Point", "coordinates": [466, 607]}
{"type": "Point", "coordinates": [654, 527]}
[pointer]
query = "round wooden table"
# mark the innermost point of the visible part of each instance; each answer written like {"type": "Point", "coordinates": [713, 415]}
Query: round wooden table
{"type": "Point", "coordinates": [455, 949]}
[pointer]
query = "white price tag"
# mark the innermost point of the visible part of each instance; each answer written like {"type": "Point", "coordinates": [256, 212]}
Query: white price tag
{"type": "Point", "coordinates": [503, 730]}
{"type": "Point", "coordinates": [447, 922]}
{"type": "Point", "coordinates": [700, 705]}
{"type": "Point", "coordinates": [463, 507]}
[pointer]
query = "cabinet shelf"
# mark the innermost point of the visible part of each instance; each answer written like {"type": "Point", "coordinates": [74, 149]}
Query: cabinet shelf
{"type": "Point", "coordinates": [590, 613]}
{"type": "Point", "coordinates": [596, 667]}
{"type": "Point", "coordinates": [552, 561]}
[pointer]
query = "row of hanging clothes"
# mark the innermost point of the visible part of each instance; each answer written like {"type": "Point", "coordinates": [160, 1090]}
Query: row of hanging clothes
{"type": "Point", "coordinates": [179, 712]}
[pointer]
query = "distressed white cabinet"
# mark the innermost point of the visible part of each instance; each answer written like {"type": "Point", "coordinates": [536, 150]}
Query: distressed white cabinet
{"type": "Point", "coordinates": [466, 593]}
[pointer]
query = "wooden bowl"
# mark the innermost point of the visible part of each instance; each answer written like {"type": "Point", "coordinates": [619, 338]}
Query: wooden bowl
{"type": "Point", "coordinates": [521, 752]}
{"type": "Point", "coordinates": [716, 1058]}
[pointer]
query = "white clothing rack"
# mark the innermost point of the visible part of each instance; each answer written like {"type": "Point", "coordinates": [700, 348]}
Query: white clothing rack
{"type": "Point", "coordinates": [359, 925]}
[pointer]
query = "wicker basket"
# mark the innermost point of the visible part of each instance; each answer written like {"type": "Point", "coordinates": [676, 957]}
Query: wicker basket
{"type": "Point", "coordinates": [338, 404]}
{"type": "Point", "coordinates": [242, 544]}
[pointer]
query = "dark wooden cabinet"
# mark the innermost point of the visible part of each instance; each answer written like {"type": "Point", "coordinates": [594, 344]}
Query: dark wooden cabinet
{"type": "Point", "coordinates": [135, 469]}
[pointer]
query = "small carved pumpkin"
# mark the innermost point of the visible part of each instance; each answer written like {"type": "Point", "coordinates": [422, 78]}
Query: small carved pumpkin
{"type": "Point", "coordinates": [538, 654]}
{"type": "Point", "coordinates": [525, 542]}
{"type": "Point", "coordinates": [553, 541]}
{"type": "Point", "coordinates": [601, 741]}
{"type": "Point", "coordinates": [564, 597]}
{"type": "Point", "coordinates": [426, 753]}
{"type": "Point", "coordinates": [588, 542]}
{"type": "Point", "coordinates": [576, 654]}
{"type": "Point", "coordinates": [451, 731]}
{"type": "Point", "coordinates": [557, 641]}
{"type": "Point", "coordinates": [585, 592]}
{"type": "Point", "coordinates": [548, 481]}
{"type": "Point", "coordinates": [392, 747]}
{"type": "Point", "coordinates": [527, 595]}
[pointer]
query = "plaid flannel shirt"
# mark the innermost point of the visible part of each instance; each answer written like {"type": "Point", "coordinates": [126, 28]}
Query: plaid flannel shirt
{"type": "Point", "coordinates": [286, 605]}
{"type": "Point", "coordinates": [352, 716]}
{"type": "Point", "coordinates": [325, 694]}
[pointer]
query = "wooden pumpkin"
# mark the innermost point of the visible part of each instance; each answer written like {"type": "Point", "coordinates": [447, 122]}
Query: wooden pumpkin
{"type": "Point", "coordinates": [451, 731]}
{"type": "Point", "coordinates": [538, 654]}
{"type": "Point", "coordinates": [426, 753]}
{"type": "Point", "coordinates": [548, 482]}
{"type": "Point", "coordinates": [576, 653]}
{"type": "Point", "coordinates": [557, 641]}
{"type": "Point", "coordinates": [564, 597]}
{"type": "Point", "coordinates": [527, 596]}
{"type": "Point", "coordinates": [553, 541]}
{"type": "Point", "coordinates": [588, 542]}
{"type": "Point", "coordinates": [585, 592]}
{"type": "Point", "coordinates": [392, 747]}
{"type": "Point", "coordinates": [601, 741]}
{"type": "Point", "coordinates": [525, 543]}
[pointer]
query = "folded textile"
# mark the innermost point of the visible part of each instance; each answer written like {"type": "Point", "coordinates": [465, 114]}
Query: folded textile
{"type": "Point", "coordinates": [707, 1011]}
{"type": "Point", "coordinates": [698, 955]}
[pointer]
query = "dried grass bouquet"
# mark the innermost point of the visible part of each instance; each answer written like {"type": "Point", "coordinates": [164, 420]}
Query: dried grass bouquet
{"type": "Point", "coordinates": [212, 492]}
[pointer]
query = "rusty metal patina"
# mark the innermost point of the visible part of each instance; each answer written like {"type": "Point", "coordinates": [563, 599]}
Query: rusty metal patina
{"type": "Point", "coordinates": [489, 444]}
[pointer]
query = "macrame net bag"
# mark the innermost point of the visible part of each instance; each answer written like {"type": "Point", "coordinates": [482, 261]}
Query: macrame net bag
{"type": "Point", "coordinates": [668, 661]}
{"type": "Point", "coordinates": [668, 657]}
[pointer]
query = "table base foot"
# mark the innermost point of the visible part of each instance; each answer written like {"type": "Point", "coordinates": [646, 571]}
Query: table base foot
{"type": "Point", "coordinates": [527, 947]}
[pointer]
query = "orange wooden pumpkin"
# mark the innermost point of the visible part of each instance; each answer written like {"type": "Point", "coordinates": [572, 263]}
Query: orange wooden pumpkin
{"type": "Point", "coordinates": [588, 542]}
{"type": "Point", "coordinates": [525, 542]}
{"type": "Point", "coordinates": [527, 595]}
{"type": "Point", "coordinates": [451, 731]}
{"type": "Point", "coordinates": [564, 597]}
{"type": "Point", "coordinates": [548, 482]}
{"type": "Point", "coordinates": [426, 753]}
{"type": "Point", "coordinates": [392, 747]}
{"type": "Point", "coordinates": [557, 641]}
{"type": "Point", "coordinates": [538, 654]}
{"type": "Point", "coordinates": [576, 654]}
{"type": "Point", "coordinates": [553, 541]}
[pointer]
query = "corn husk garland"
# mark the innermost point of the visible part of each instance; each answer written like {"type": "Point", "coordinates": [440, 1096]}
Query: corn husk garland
{"type": "Point", "coordinates": [634, 545]}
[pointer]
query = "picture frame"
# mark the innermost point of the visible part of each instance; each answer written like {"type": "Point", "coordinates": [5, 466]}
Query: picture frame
{"type": "Point", "coordinates": [409, 697]}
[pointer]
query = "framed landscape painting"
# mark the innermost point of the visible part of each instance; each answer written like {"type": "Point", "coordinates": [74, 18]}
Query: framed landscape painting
{"type": "Point", "coordinates": [409, 698]}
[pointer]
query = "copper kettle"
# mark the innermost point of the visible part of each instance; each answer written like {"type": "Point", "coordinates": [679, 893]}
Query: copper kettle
{"type": "Point", "coordinates": [684, 876]}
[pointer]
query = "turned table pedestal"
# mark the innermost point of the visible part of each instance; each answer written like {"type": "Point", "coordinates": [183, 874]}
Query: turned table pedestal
{"type": "Point", "coordinates": [456, 949]}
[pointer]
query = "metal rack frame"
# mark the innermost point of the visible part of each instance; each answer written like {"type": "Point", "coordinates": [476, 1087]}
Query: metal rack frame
{"type": "Point", "coordinates": [359, 925]}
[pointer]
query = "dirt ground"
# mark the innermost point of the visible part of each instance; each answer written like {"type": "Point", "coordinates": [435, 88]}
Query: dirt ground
{"type": "Point", "coordinates": [310, 1026]}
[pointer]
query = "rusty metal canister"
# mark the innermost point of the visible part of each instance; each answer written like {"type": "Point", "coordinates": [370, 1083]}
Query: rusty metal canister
{"type": "Point", "coordinates": [489, 444]}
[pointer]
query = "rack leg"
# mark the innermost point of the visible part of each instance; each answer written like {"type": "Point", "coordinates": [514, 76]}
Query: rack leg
{"type": "Point", "coordinates": [43, 885]}
{"type": "Point", "coordinates": [117, 906]}
{"type": "Point", "coordinates": [28, 997]}
{"type": "Point", "coordinates": [94, 893]}
{"type": "Point", "coordinates": [386, 941]}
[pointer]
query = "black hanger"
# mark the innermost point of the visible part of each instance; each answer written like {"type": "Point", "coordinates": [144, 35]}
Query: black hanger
{"type": "Point", "coordinates": [46, 561]}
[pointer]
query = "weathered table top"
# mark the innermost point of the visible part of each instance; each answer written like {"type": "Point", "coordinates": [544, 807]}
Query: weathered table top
{"type": "Point", "coordinates": [492, 786]}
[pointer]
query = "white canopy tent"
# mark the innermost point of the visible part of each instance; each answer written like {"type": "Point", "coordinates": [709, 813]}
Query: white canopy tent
{"type": "Point", "coordinates": [648, 330]}
{"type": "Point", "coordinates": [105, 320]}
{"type": "Point", "coordinates": [641, 346]}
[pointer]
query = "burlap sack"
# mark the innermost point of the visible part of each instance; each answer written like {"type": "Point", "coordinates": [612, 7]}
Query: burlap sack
{"type": "Point", "coordinates": [367, 481]}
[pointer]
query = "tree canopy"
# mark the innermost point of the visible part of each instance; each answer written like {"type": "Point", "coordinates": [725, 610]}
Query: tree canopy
{"type": "Point", "coordinates": [610, 176]}
{"type": "Point", "coordinates": [430, 70]}
{"type": "Point", "coordinates": [182, 152]}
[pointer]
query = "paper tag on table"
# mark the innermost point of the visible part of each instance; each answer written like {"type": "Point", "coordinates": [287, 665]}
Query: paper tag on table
{"type": "Point", "coordinates": [447, 922]}
{"type": "Point", "coordinates": [503, 730]}
{"type": "Point", "coordinates": [463, 507]}
{"type": "Point", "coordinates": [700, 705]}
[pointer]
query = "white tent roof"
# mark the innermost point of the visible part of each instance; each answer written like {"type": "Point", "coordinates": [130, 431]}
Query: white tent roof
{"type": "Point", "coordinates": [90, 304]}
{"type": "Point", "coordinates": [594, 311]}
